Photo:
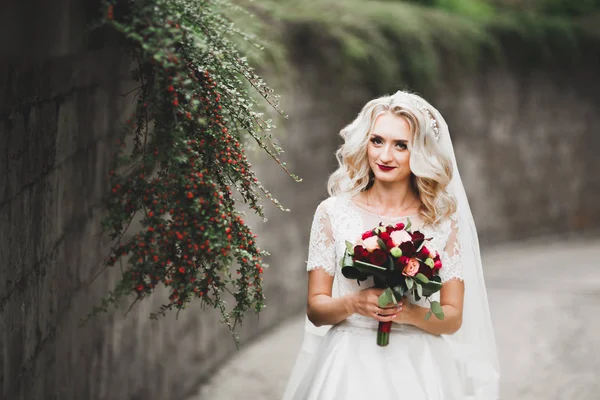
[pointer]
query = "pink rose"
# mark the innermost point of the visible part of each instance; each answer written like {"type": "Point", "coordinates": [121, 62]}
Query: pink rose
{"type": "Point", "coordinates": [370, 243]}
{"type": "Point", "coordinates": [412, 268]}
{"type": "Point", "coordinates": [399, 237]}
{"type": "Point", "coordinates": [437, 264]}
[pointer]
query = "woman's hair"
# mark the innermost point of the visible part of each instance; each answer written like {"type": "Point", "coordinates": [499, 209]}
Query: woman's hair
{"type": "Point", "coordinates": [431, 168]}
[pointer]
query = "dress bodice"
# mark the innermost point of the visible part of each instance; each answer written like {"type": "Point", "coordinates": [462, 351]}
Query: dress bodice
{"type": "Point", "coordinates": [338, 219]}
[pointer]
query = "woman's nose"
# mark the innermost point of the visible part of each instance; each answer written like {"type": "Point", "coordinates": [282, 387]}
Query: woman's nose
{"type": "Point", "coordinates": [386, 154]}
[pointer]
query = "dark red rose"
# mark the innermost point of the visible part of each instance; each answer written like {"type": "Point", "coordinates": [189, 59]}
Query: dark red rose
{"type": "Point", "coordinates": [389, 243]}
{"type": "Point", "coordinates": [389, 229]}
{"type": "Point", "coordinates": [426, 270]}
{"type": "Point", "coordinates": [360, 253]}
{"type": "Point", "coordinates": [417, 238]}
{"type": "Point", "coordinates": [403, 260]}
{"type": "Point", "coordinates": [387, 239]}
{"type": "Point", "coordinates": [367, 235]}
{"type": "Point", "coordinates": [408, 249]}
{"type": "Point", "coordinates": [423, 254]}
{"type": "Point", "coordinates": [378, 257]}
{"type": "Point", "coordinates": [399, 226]}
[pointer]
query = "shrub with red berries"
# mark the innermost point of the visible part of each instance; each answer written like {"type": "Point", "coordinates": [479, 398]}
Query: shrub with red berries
{"type": "Point", "coordinates": [187, 160]}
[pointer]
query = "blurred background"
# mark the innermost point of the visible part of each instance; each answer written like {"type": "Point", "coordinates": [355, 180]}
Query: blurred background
{"type": "Point", "coordinates": [517, 81]}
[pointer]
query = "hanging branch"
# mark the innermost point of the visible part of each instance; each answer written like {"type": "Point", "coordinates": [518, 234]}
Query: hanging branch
{"type": "Point", "coordinates": [193, 107]}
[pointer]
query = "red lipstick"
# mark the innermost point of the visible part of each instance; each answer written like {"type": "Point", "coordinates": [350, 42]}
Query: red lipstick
{"type": "Point", "coordinates": [384, 168]}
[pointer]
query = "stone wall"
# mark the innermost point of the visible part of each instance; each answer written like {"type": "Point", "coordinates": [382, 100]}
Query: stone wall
{"type": "Point", "coordinates": [526, 140]}
{"type": "Point", "coordinates": [61, 103]}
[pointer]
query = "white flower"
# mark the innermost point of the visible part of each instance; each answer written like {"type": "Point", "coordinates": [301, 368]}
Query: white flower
{"type": "Point", "coordinates": [399, 237]}
{"type": "Point", "coordinates": [371, 243]}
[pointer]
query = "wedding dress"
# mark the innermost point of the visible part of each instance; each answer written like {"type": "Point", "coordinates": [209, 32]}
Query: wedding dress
{"type": "Point", "coordinates": [348, 364]}
{"type": "Point", "coordinates": [344, 362]}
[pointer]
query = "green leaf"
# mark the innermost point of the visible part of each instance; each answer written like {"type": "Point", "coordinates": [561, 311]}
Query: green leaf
{"type": "Point", "coordinates": [428, 315]}
{"type": "Point", "coordinates": [398, 291]}
{"type": "Point", "coordinates": [437, 310]}
{"type": "Point", "coordinates": [431, 288]}
{"type": "Point", "coordinates": [385, 298]}
{"type": "Point", "coordinates": [422, 278]}
{"type": "Point", "coordinates": [351, 272]}
{"type": "Point", "coordinates": [419, 290]}
{"type": "Point", "coordinates": [408, 224]}
{"type": "Point", "coordinates": [371, 269]}
{"type": "Point", "coordinates": [350, 247]}
{"type": "Point", "coordinates": [409, 283]}
{"type": "Point", "coordinates": [416, 295]}
{"type": "Point", "coordinates": [382, 245]}
{"type": "Point", "coordinates": [390, 263]}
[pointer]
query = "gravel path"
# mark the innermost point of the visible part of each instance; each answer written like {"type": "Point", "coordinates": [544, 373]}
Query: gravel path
{"type": "Point", "coordinates": [544, 300]}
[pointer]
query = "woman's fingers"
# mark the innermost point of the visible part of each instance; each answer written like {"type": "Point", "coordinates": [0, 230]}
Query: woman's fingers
{"type": "Point", "coordinates": [387, 310]}
{"type": "Point", "coordinates": [385, 318]}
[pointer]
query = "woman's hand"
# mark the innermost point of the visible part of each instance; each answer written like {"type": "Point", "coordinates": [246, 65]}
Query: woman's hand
{"type": "Point", "coordinates": [366, 304]}
{"type": "Point", "coordinates": [408, 309]}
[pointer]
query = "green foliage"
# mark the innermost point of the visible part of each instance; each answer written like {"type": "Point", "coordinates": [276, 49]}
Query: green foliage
{"type": "Point", "coordinates": [560, 8]}
{"type": "Point", "coordinates": [404, 43]}
{"type": "Point", "coordinates": [193, 109]}
{"type": "Point", "coordinates": [469, 8]}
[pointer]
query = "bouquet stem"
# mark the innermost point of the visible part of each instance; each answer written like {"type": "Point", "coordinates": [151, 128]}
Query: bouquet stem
{"type": "Point", "coordinates": [383, 333]}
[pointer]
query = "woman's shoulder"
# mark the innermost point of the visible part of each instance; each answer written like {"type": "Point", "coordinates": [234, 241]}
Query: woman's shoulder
{"type": "Point", "coordinates": [332, 203]}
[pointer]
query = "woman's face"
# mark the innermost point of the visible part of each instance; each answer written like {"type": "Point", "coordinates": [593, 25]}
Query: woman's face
{"type": "Point", "coordinates": [388, 147]}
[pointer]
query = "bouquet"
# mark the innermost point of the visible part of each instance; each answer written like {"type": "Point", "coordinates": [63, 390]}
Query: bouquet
{"type": "Point", "coordinates": [400, 263]}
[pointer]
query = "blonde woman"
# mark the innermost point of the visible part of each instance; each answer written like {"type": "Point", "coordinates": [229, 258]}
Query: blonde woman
{"type": "Point", "coordinates": [396, 163]}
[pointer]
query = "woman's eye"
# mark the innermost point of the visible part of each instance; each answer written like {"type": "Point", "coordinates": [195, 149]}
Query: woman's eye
{"type": "Point", "coordinates": [376, 141]}
{"type": "Point", "coordinates": [402, 146]}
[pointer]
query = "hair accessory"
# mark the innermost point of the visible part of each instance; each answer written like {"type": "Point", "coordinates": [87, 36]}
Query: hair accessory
{"type": "Point", "coordinates": [416, 101]}
{"type": "Point", "coordinates": [433, 122]}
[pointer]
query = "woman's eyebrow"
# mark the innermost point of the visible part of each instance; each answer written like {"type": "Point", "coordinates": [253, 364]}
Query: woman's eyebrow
{"type": "Point", "coordinates": [380, 137]}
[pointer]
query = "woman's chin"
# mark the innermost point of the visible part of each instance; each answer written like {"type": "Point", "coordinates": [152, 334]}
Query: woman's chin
{"type": "Point", "coordinates": [389, 178]}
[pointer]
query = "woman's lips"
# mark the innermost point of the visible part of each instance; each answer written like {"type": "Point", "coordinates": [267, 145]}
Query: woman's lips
{"type": "Point", "coordinates": [384, 168]}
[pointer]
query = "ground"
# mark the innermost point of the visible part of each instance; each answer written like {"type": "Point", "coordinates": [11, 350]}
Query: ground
{"type": "Point", "coordinates": [544, 298]}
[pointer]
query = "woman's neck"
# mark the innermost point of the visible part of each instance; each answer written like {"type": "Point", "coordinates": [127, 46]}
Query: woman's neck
{"type": "Point", "coordinates": [398, 197]}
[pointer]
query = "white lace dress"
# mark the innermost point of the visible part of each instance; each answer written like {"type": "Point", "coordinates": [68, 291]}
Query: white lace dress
{"type": "Point", "coordinates": [348, 364]}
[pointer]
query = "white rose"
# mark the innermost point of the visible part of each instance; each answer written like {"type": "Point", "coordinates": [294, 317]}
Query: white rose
{"type": "Point", "coordinates": [371, 243]}
{"type": "Point", "coordinates": [399, 237]}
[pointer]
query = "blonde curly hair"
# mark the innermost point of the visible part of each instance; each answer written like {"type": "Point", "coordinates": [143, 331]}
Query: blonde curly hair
{"type": "Point", "coordinates": [431, 168]}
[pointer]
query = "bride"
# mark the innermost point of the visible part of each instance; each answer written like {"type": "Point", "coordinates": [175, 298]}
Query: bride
{"type": "Point", "coordinates": [396, 164]}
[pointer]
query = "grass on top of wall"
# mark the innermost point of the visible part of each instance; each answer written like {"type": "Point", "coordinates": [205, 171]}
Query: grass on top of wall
{"type": "Point", "coordinates": [402, 41]}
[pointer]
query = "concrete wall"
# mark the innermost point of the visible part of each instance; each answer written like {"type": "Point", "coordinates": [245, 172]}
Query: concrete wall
{"type": "Point", "coordinates": [60, 107]}
{"type": "Point", "coordinates": [526, 140]}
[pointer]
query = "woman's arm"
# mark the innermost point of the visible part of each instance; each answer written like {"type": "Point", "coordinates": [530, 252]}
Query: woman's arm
{"type": "Point", "coordinates": [451, 295]}
{"type": "Point", "coordinates": [322, 309]}
{"type": "Point", "coordinates": [451, 299]}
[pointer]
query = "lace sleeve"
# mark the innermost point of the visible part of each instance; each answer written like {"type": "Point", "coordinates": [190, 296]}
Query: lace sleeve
{"type": "Point", "coordinates": [321, 249]}
{"type": "Point", "coordinates": [451, 256]}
